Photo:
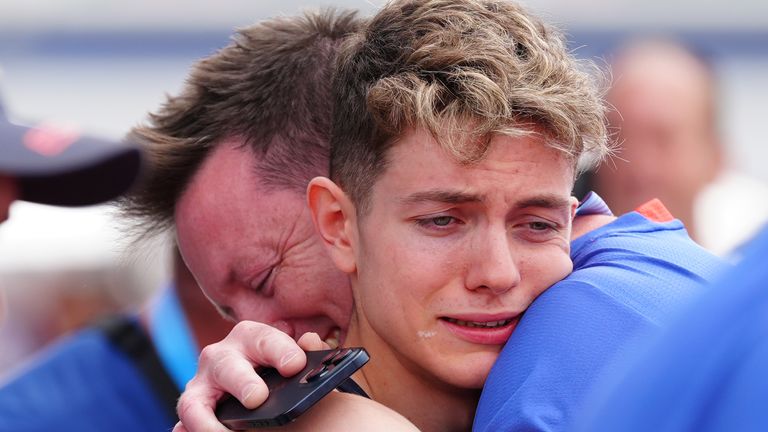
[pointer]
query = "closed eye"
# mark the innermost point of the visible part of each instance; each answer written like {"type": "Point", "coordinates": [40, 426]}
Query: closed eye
{"type": "Point", "coordinates": [260, 285]}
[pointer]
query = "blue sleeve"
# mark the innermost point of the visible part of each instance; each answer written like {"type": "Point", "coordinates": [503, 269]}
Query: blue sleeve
{"type": "Point", "coordinates": [630, 278]}
{"type": "Point", "coordinates": [558, 350]}
{"type": "Point", "coordinates": [709, 373]}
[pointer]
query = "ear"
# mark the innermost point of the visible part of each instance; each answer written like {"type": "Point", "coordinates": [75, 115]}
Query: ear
{"type": "Point", "coordinates": [574, 203]}
{"type": "Point", "coordinates": [335, 221]}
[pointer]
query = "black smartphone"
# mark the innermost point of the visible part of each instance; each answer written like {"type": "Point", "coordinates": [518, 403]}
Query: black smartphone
{"type": "Point", "coordinates": [290, 397]}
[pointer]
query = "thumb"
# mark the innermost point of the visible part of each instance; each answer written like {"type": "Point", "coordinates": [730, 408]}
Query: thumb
{"type": "Point", "coordinates": [311, 342]}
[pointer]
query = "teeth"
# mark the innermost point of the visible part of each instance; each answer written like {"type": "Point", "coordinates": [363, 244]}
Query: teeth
{"type": "Point", "coordinates": [333, 339]}
{"type": "Point", "coordinates": [487, 324]}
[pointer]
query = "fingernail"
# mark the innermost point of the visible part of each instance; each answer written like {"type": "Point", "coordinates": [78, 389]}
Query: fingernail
{"type": "Point", "coordinates": [287, 358]}
{"type": "Point", "coordinates": [248, 391]}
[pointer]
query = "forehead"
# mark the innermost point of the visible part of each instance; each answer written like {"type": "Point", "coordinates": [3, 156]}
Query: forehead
{"type": "Point", "coordinates": [226, 194]}
{"type": "Point", "coordinates": [511, 164]}
{"type": "Point", "coordinates": [224, 180]}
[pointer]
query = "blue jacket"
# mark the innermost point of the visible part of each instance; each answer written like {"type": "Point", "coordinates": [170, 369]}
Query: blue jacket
{"type": "Point", "coordinates": [709, 373]}
{"type": "Point", "coordinates": [629, 278]}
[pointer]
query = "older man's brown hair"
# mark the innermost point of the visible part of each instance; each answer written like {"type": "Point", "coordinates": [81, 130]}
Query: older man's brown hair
{"type": "Point", "coordinates": [270, 88]}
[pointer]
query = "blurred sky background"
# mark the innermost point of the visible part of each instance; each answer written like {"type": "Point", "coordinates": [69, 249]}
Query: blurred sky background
{"type": "Point", "coordinates": [104, 64]}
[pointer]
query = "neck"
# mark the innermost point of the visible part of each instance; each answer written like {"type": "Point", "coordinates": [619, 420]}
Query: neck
{"type": "Point", "coordinates": [404, 386]}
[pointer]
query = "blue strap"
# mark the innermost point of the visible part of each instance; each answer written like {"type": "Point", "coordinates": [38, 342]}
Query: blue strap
{"type": "Point", "coordinates": [172, 337]}
{"type": "Point", "coordinates": [126, 334]}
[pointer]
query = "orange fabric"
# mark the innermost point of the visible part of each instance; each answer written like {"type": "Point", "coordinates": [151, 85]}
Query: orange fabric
{"type": "Point", "coordinates": [654, 210]}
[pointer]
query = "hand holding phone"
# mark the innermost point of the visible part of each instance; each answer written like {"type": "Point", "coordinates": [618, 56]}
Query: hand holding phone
{"type": "Point", "coordinates": [292, 396]}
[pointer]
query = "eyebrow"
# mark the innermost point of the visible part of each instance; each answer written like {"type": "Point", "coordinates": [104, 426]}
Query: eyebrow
{"type": "Point", "coordinates": [544, 201]}
{"type": "Point", "coordinates": [443, 196]}
{"type": "Point", "coordinates": [548, 201]}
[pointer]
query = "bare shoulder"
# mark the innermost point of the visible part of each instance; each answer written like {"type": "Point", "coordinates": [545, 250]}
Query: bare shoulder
{"type": "Point", "coordinates": [348, 412]}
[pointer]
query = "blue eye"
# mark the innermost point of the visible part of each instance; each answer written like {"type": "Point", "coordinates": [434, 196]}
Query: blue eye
{"type": "Point", "coordinates": [437, 222]}
{"type": "Point", "coordinates": [442, 220]}
{"type": "Point", "coordinates": [540, 226]}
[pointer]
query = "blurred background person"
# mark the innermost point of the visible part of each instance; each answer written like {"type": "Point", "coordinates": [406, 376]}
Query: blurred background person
{"type": "Point", "coordinates": [124, 373]}
{"type": "Point", "coordinates": [667, 125]}
{"type": "Point", "coordinates": [45, 165]}
{"type": "Point", "coordinates": [58, 165]}
{"type": "Point", "coordinates": [112, 374]}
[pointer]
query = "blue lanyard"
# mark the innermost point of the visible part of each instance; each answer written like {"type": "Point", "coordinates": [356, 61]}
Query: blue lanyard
{"type": "Point", "coordinates": [172, 337]}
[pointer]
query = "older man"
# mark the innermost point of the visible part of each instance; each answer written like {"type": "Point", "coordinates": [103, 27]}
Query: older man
{"type": "Point", "coordinates": [229, 161]}
{"type": "Point", "coordinates": [230, 158]}
{"type": "Point", "coordinates": [59, 166]}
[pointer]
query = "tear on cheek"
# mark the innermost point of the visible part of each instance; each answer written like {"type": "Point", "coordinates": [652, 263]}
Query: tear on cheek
{"type": "Point", "coordinates": [426, 334]}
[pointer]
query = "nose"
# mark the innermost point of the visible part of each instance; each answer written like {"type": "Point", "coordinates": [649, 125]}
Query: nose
{"type": "Point", "coordinates": [493, 266]}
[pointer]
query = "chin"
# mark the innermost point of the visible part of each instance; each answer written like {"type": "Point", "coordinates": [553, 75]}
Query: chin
{"type": "Point", "coordinates": [469, 371]}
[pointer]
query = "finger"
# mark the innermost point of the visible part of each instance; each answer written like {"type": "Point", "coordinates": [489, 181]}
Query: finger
{"type": "Point", "coordinates": [267, 346]}
{"type": "Point", "coordinates": [196, 413]}
{"type": "Point", "coordinates": [311, 342]}
{"type": "Point", "coordinates": [234, 374]}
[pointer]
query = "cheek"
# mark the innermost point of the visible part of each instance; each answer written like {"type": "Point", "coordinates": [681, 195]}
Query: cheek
{"type": "Point", "coordinates": [312, 288]}
{"type": "Point", "coordinates": [398, 283]}
{"type": "Point", "coordinates": [548, 268]}
{"type": "Point", "coordinates": [399, 273]}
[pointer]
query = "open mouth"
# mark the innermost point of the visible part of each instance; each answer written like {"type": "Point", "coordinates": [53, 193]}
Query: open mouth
{"type": "Point", "coordinates": [485, 324]}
